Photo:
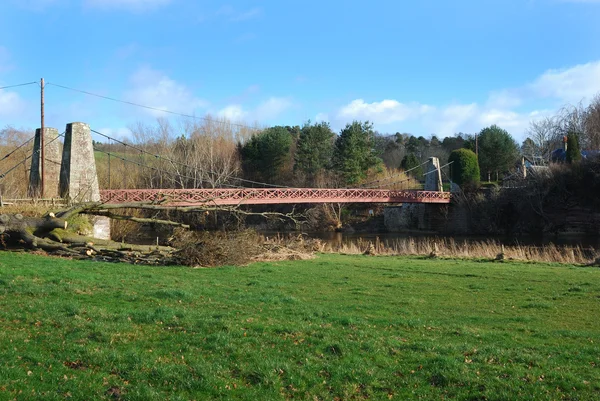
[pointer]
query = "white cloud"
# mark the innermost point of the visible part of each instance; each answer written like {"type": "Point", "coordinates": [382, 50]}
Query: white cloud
{"type": "Point", "coordinates": [385, 112]}
{"type": "Point", "coordinates": [272, 108]}
{"type": "Point", "coordinates": [443, 121]}
{"type": "Point", "coordinates": [451, 119]}
{"type": "Point", "coordinates": [504, 99]}
{"type": "Point", "coordinates": [155, 89]}
{"type": "Point", "coordinates": [265, 111]}
{"type": "Point", "coordinates": [136, 5]}
{"type": "Point", "coordinates": [569, 85]}
{"type": "Point", "coordinates": [511, 109]}
{"type": "Point", "coordinates": [322, 117]}
{"type": "Point", "coordinates": [233, 112]}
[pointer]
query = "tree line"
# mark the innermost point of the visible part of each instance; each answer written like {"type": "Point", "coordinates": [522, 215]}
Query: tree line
{"type": "Point", "coordinates": [215, 152]}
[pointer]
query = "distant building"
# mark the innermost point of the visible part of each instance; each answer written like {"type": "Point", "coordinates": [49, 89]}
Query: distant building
{"type": "Point", "coordinates": [560, 155]}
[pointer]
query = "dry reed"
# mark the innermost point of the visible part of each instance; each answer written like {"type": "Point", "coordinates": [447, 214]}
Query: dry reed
{"type": "Point", "coordinates": [453, 248]}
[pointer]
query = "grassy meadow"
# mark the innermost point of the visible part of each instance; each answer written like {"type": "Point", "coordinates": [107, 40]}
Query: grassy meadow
{"type": "Point", "coordinates": [332, 328]}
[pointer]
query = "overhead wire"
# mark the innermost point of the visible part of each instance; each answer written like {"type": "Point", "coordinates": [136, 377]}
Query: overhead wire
{"type": "Point", "coordinates": [144, 106]}
{"type": "Point", "coordinates": [17, 85]}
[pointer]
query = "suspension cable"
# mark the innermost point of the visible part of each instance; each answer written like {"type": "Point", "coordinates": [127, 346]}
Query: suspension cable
{"type": "Point", "coordinates": [156, 156]}
{"type": "Point", "coordinates": [397, 174]}
{"type": "Point", "coordinates": [3, 175]}
{"type": "Point", "coordinates": [176, 175]}
{"type": "Point", "coordinates": [17, 148]}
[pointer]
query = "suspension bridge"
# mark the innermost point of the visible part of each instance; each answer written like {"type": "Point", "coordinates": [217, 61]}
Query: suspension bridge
{"type": "Point", "coordinates": [73, 176]}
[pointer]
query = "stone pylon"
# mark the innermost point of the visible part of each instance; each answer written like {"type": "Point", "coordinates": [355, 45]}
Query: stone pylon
{"type": "Point", "coordinates": [52, 149]}
{"type": "Point", "coordinates": [78, 178]}
{"type": "Point", "coordinates": [433, 179]}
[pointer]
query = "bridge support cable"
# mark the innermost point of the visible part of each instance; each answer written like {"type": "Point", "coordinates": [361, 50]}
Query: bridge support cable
{"type": "Point", "coordinates": [158, 170]}
{"type": "Point", "coordinates": [157, 156]}
{"type": "Point", "coordinates": [405, 172]}
{"type": "Point", "coordinates": [433, 171]}
{"type": "Point", "coordinates": [389, 184]}
{"type": "Point", "coordinates": [9, 154]}
{"type": "Point", "coordinates": [3, 175]}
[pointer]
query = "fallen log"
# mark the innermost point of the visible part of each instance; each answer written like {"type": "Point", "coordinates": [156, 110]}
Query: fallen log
{"type": "Point", "coordinates": [49, 233]}
{"type": "Point", "coordinates": [16, 228]}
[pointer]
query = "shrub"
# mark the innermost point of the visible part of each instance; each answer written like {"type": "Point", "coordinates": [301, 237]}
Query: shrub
{"type": "Point", "coordinates": [216, 248]}
{"type": "Point", "coordinates": [465, 169]}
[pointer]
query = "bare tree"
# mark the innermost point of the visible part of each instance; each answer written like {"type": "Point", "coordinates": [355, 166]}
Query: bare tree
{"type": "Point", "coordinates": [190, 154]}
{"type": "Point", "coordinates": [14, 165]}
{"type": "Point", "coordinates": [593, 123]}
{"type": "Point", "coordinates": [571, 119]}
{"type": "Point", "coordinates": [541, 132]}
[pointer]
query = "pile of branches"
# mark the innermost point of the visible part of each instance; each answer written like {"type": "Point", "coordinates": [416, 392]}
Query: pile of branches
{"type": "Point", "coordinates": [49, 234]}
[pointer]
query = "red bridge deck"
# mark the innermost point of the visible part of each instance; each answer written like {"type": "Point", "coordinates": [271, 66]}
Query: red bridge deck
{"type": "Point", "coordinates": [269, 196]}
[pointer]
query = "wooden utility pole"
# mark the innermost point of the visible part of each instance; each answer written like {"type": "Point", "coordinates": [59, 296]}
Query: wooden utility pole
{"type": "Point", "coordinates": [42, 140]}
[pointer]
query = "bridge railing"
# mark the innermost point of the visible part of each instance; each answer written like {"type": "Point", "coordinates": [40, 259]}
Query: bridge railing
{"type": "Point", "coordinates": [249, 196]}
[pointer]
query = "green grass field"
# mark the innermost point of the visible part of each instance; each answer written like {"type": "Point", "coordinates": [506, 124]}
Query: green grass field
{"type": "Point", "coordinates": [336, 327]}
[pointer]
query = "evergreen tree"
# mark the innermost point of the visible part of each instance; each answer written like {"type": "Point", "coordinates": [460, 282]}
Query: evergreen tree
{"type": "Point", "coordinates": [498, 151]}
{"type": "Point", "coordinates": [354, 152]}
{"type": "Point", "coordinates": [265, 154]}
{"type": "Point", "coordinates": [573, 151]}
{"type": "Point", "coordinates": [409, 162]}
{"type": "Point", "coordinates": [314, 149]}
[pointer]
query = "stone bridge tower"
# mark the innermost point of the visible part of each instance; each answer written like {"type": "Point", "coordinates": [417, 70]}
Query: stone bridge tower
{"type": "Point", "coordinates": [72, 177]}
{"type": "Point", "coordinates": [415, 216]}
{"type": "Point", "coordinates": [78, 178]}
{"type": "Point", "coordinates": [52, 149]}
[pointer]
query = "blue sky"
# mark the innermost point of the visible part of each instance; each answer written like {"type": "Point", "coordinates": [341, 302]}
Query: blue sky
{"type": "Point", "coordinates": [423, 67]}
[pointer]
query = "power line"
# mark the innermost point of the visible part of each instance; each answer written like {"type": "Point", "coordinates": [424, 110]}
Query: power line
{"type": "Point", "coordinates": [146, 107]}
{"type": "Point", "coordinates": [180, 163]}
{"type": "Point", "coordinates": [14, 86]}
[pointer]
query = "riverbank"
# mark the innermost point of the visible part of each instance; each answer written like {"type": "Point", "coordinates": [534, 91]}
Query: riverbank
{"type": "Point", "coordinates": [351, 327]}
